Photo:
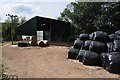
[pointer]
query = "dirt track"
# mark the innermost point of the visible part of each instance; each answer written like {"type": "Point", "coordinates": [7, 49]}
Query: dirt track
{"type": "Point", "coordinates": [49, 62]}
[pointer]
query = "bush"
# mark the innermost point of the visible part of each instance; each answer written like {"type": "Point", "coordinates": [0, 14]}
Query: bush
{"type": "Point", "coordinates": [71, 38]}
{"type": "Point", "coordinates": [1, 71]}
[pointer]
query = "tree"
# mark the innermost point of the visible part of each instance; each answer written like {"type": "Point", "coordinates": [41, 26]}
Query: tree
{"type": "Point", "coordinates": [7, 31]}
{"type": "Point", "coordinates": [109, 19]}
{"type": "Point", "coordinates": [87, 17]}
{"type": "Point", "coordinates": [22, 19]}
{"type": "Point", "coordinates": [81, 16]}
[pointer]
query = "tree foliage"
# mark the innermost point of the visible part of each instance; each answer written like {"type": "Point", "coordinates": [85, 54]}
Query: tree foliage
{"type": "Point", "coordinates": [9, 27]}
{"type": "Point", "coordinates": [109, 19]}
{"type": "Point", "coordinates": [87, 17]}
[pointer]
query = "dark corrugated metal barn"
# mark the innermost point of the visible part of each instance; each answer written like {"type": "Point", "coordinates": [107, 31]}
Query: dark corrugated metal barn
{"type": "Point", "coordinates": [53, 30]}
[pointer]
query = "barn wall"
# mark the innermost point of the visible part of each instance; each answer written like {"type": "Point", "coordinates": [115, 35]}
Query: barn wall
{"type": "Point", "coordinates": [59, 30]}
{"type": "Point", "coordinates": [28, 28]}
{"type": "Point", "coordinates": [53, 30]}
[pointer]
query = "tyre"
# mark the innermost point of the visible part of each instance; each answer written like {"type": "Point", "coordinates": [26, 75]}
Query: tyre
{"type": "Point", "coordinates": [33, 43]}
{"type": "Point", "coordinates": [23, 44]}
{"type": "Point", "coordinates": [43, 43]}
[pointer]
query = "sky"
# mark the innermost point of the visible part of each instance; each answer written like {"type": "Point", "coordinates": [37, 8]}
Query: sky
{"type": "Point", "coordinates": [31, 8]}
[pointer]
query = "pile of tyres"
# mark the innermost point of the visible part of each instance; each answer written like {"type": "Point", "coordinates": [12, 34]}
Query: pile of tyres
{"type": "Point", "coordinates": [41, 43]}
{"type": "Point", "coordinates": [98, 49]}
{"type": "Point", "coordinates": [33, 42]}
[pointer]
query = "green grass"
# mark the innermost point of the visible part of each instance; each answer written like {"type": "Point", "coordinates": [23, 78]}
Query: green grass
{"type": "Point", "coordinates": [9, 42]}
{"type": "Point", "coordinates": [14, 43]}
{"type": "Point", "coordinates": [1, 71]}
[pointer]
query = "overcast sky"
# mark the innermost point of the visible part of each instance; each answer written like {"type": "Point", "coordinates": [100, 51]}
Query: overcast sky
{"type": "Point", "coordinates": [31, 8]}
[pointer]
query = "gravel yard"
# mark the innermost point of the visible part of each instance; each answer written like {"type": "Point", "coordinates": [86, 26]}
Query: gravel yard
{"type": "Point", "coordinates": [47, 62]}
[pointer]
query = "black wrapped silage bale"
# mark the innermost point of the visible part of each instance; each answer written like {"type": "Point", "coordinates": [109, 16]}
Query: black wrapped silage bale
{"type": "Point", "coordinates": [116, 46]}
{"type": "Point", "coordinates": [91, 58]}
{"type": "Point", "coordinates": [117, 35]}
{"type": "Point", "coordinates": [101, 36]}
{"type": "Point", "coordinates": [98, 47]}
{"type": "Point", "coordinates": [86, 44]}
{"type": "Point", "coordinates": [84, 37]}
{"type": "Point", "coordinates": [112, 62]}
{"type": "Point", "coordinates": [73, 53]}
{"type": "Point", "coordinates": [102, 58]}
{"type": "Point", "coordinates": [80, 55]}
{"type": "Point", "coordinates": [112, 37]}
{"type": "Point", "coordinates": [110, 47]}
{"type": "Point", "coordinates": [91, 36]}
{"type": "Point", "coordinates": [78, 44]}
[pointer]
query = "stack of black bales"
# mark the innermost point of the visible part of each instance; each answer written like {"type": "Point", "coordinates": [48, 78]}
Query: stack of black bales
{"type": "Point", "coordinates": [93, 48]}
{"type": "Point", "coordinates": [98, 49]}
{"type": "Point", "coordinates": [78, 45]}
{"type": "Point", "coordinates": [111, 59]}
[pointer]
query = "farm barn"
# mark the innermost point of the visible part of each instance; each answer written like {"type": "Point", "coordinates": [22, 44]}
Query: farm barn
{"type": "Point", "coordinates": [45, 28]}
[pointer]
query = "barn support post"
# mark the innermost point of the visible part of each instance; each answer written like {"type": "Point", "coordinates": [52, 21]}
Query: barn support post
{"type": "Point", "coordinates": [61, 34]}
{"type": "Point", "coordinates": [50, 30]}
